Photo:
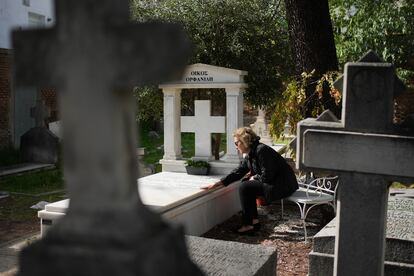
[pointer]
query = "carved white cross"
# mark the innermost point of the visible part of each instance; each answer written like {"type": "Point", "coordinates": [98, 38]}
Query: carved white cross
{"type": "Point", "coordinates": [203, 125]}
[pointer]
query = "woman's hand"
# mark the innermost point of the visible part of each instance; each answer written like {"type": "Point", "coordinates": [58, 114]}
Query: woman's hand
{"type": "Point", "coordinates": [212, 186]}
{"type": "Point", "coordinates": [249, 176]}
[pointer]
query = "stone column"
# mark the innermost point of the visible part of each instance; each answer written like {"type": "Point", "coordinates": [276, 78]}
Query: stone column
{"type": "Point", "coordinates": [362, 205]}
{"type": "Point", "coordinates": [234, 120]}
{"type": "Point", "coordinates": [172, 124]}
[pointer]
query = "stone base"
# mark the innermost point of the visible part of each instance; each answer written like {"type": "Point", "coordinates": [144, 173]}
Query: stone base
{"type": "Point", "coordinates": [109, 242]}
{"type": "Point", "coordinates": [399, 250]}
{"type": "Point", "coordinates": [321, 264]}
{"type": "Point", "coordinates": [216, 257]}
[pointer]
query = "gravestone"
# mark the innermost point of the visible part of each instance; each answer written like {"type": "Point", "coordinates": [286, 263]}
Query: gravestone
{"type": "Point", "coordinates": [287, 130]}
{"type": "Point", "coordinates": [203, 125]}
{"type": "Point", "coordinates": [368, 152]}
{"type": "Point", "coordinates": [261, 128]}
{"type": "Point", "coordinates": [55, 128]}
{"type": "Point", "coordinates": [399, 250]}
{"type": "Point", "coordinates": [39, 144]}
{"type": "Point", "coordinates": [97, 57]}
{"type": "Point", "coordinates": [143, 169]}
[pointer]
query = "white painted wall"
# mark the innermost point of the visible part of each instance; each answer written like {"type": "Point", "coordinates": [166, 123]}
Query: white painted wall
{"type": "Point", "coordinates": [13, 14]}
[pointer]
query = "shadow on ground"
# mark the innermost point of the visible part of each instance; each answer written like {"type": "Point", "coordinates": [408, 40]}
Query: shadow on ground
{"type": "Point", "coordinates": [286, 234]}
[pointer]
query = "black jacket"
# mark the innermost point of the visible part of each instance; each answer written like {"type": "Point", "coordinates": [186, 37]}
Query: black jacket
{"type": "Point", "coordinates": [268, 167]}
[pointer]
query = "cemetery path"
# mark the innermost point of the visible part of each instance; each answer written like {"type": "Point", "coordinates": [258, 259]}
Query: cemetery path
{"type": "Point", "coordinates": [286, 235]}
{"type": "Point", "coordinates": [12, 230]}
{"type": "Point", "coordinates": [15, 223]}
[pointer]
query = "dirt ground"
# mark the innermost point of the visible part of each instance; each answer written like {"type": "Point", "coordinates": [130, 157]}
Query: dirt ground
{"type": "Point", "coordinates": [286, 235]}
{"type": "Point", "coordinates": [14, 223]}
{"type": "Point", "coordinates": [12, 230]}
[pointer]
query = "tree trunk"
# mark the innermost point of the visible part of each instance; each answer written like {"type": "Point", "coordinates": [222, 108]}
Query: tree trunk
{"type": "Point", "coordinates": [312, 43]}
{"type": "Point", "coordinates": [311, 36]}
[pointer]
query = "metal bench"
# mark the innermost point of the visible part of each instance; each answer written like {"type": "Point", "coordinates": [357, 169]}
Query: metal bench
{"type": "Point", "coordinates": [312, 193]}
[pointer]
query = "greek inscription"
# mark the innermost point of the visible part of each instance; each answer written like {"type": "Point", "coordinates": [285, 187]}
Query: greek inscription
{"type": "Point", "coordinates": [199, 76]}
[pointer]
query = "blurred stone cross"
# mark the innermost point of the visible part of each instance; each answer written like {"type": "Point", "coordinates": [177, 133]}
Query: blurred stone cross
{"type": "Point", "coordinates": [94, 56]}
{"type": "Point", "coordinates": [368, 152]}
{"type": "Point", "coordinates": [40, 112]}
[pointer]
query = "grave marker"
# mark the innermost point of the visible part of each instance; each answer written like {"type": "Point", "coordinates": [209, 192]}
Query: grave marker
{"type": "Point", "coordinates": [97, 56]}
{"type": "Point", "coordinates": [399, 250]}
{"type": "Point", "coordinates": [368, 152]}
{"type": "Point", "coordinates": [40, 112]}
{"type": "Point", "coordinates": [39, 144]}
{"type": "Point", "coordinates": [260, 127]}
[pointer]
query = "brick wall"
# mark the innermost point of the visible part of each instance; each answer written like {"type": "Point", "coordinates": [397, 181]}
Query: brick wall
{"type": "Point", "coordinates": [50, 97]}
{"type": "Point", "coordinates": [5, 92]}
{"type": "Point", "coordinates": [48, 94]}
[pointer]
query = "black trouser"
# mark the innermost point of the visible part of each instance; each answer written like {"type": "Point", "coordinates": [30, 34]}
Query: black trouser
{"type": "Point", "coordinates": [248, 192]}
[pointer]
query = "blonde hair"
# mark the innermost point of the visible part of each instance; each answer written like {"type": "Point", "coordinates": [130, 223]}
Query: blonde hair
{"type": "Point", "coordinates": [246, 135]}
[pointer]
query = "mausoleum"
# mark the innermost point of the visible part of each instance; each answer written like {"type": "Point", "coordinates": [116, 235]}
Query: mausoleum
{"type": "Point", "coordinates": [201, 76]}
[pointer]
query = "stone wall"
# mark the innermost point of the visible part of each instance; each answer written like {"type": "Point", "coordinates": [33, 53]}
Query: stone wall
{"type": "Point", "coordinates": [5, 92]}
{"type": "Point", "coordinates": [48, 94]}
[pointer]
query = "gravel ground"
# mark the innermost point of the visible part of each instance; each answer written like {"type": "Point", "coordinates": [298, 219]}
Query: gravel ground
{"type": "Point", "coordinates": [286, 235]}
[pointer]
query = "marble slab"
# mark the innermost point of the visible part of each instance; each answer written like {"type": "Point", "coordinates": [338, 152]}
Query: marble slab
{"type": "Point", "coordinates": [177, 196]}
{"type": "Point", "coordinates": [167, 190]}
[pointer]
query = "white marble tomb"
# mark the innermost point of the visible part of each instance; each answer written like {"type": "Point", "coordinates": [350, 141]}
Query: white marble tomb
{"type": "Point", "coordinates": [177, 197]}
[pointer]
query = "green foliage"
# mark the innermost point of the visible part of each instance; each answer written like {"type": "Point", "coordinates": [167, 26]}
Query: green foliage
{"type": "Point", "coordinates": [329, 79]}
{"type": "Point", "coordinates": [399, 185]}
{"type": "Point", "coordinates": [249, 35]}
{"type": "Point", "coordinates": [359, 25]}
{"type": "Point", "coordinates": [197, 164]}
{"type": "Point", "coordinates": [153, 146]}
{"type": "Point", "coordinates": [149, 102]}
{"type": "Point", "coordinates": [33, 183]}
{"type": "Point", "coordinates": [384, 26]}
{"type": "Point", "coordinates": [294, 102]}
{"type": "Point", "coordinates": [16, 208]}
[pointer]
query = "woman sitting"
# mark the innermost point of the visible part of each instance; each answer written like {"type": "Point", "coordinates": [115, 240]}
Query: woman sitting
{"type": "Point", "coordinates": [263, 171]}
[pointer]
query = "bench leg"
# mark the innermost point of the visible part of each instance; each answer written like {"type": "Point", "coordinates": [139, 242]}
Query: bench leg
{"type": "Point", "coordinates": [303, 215]}
{"type": "Point", "coordinates": [281, 203]}
{"type": "Point", "coordinates": [304, 227]}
